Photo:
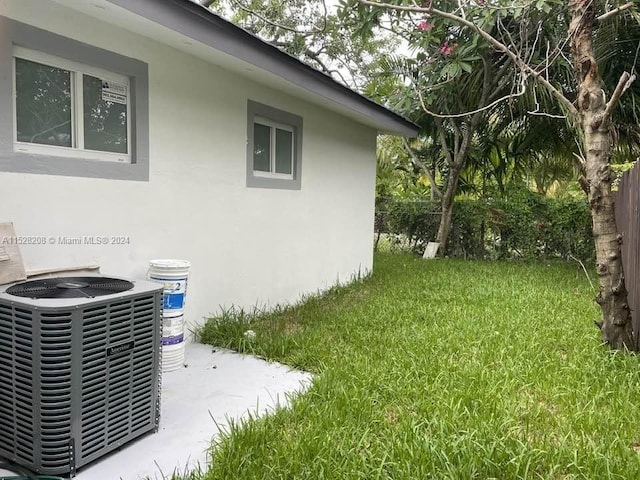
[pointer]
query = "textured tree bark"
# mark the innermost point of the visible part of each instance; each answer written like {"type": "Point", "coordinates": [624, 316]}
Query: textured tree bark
{"type": "Point", "coordinates": [447, 208]}
{"type": "Point", "coordinates": [616, 323]}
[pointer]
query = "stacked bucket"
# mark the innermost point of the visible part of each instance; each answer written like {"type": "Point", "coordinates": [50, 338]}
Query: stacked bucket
{"type": "Point", "coordinates": [173, 274]}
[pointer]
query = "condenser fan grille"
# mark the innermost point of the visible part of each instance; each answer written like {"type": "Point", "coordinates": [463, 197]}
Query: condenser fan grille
{"type": "Point", "coordinates": [70, 287]}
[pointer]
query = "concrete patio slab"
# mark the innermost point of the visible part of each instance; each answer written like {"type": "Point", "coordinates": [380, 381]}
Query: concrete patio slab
{"type": "Point", "coordinates": [214, 386]}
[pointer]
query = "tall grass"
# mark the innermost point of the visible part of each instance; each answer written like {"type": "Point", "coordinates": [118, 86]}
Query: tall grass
{"type": "Point", "coordinates": [443, 369]}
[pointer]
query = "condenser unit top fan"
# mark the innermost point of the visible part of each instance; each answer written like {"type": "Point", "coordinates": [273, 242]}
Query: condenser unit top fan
{"type": "Point", "coordinates": [70, 287]}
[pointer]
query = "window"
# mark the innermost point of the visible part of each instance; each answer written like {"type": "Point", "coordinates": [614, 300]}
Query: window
{"type": "Point", "coordinates": [274, 148]}
{"type": "Point", "coordinates": [63, 108]}
{"type": "Point", "coordinates": [71, 108]}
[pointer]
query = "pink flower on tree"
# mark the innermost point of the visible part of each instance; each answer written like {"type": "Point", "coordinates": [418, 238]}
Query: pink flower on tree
{"type": "Point", "coordinates": [425, 26]}
{"type": "Point", "coordinates": [447, 49]}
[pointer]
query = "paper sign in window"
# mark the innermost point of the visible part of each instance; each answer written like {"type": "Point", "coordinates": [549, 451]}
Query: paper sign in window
{"type": "Point", "coordinates": [114, 92]}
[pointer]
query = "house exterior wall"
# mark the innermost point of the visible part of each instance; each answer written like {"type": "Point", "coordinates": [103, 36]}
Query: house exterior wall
{"type": "Point", "coordinates": [248, 246]}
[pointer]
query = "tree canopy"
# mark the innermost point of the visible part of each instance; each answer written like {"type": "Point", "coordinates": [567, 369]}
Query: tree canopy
{"type": "Point", "coordinates": [310, 31]}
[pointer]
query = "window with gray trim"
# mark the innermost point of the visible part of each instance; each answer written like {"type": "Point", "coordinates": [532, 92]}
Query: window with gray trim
{"type": "Point", "coordinates": [69, 108]}
{"type": "Point", "coordinates": [274, 147]}
{"type": "Point", "coordinates": [65, 108]}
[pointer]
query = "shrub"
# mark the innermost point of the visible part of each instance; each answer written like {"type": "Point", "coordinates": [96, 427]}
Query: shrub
{"type": "Point", "coordinates": [521, 225]}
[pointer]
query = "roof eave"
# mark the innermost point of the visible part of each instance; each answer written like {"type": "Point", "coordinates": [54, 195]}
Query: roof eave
{"type": "Point", "coordinates": [195, 21]}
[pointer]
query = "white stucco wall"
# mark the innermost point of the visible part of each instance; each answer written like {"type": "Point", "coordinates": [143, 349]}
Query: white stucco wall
{"type": "Point", "coordinates": [247, 246]}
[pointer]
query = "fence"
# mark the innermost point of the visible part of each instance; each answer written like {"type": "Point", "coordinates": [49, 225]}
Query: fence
{"type": "Point", "coordinates": [628, 220]}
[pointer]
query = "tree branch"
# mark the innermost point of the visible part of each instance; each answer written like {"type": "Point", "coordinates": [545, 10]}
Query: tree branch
{"type": "Point", "coordinates": [420, 164]}
{"type": "Point", "coordinates": [615, 11]}
{"type": "Point", "coordinates": [456, 139]}
{"type": "Point", "coordinates": [472, 112]}
{"type": "Point", "coordinates": [280, 25]}
{"type": "Point", "coordinates": [443, 142]}
{"type": "Point", "coordinates": [489, 38]}
{"type": "Point", "coordinates": [623, 84]}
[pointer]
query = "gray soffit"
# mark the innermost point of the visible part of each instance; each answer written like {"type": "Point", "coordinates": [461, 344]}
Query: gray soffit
{"type": "Point", "coordinates": [202, 25]}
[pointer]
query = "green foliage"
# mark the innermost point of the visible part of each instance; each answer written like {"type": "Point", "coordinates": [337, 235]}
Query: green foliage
{"type": "Point", "coordinates": [396, 175]}
{"type": "Point", "coordinates": [451, 70]}
{"type": "Point", "coordinates": [311, 32]}
{"type": "Point", "coordinates": [512, 141]}
{"type": "Point", "coordinates": [618, 171]}
{"type": "Point", "coordinates": [447, 369]}
{"type": "Point", "coordinates": [521, 225]}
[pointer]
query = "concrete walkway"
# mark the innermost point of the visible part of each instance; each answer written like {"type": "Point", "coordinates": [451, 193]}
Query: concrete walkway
{"type": "Point", "coordinates": [214, 387]}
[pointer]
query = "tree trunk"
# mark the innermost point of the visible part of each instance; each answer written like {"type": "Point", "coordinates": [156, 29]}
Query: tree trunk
{"type": "Point", "coordinates": [447, 209]}
{"type": "Point", "coordinates": [616, 324]}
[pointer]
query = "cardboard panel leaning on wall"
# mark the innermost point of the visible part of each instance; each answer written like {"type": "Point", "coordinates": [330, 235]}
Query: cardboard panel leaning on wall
{"type": "Point", "coordinates": [11, 266]}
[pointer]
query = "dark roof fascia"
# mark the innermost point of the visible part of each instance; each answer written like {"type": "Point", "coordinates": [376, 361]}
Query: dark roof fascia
{"type": "Point", "coordinates": [196, 22]}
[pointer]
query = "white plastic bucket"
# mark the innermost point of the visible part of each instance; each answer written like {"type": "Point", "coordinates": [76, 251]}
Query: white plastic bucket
{"type": "Point", "coordinates": [172, 328]}
{"type": "Point", "coordinates": [172, 357]}
{"type": "Point", "coordinates": [172, 341]}
{"type": "Point", "coordinates": [174, 274]}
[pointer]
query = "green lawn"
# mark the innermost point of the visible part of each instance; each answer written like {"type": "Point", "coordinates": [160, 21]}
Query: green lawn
{"type": "Point", "coordinates": [441, 369]}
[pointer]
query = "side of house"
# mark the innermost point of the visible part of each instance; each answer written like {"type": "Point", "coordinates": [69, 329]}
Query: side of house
{"type": "Point", "coordinates": [148, 157]}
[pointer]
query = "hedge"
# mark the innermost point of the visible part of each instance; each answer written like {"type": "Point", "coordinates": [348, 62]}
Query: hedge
{"type": "Point", "coordinates": [524, 225]}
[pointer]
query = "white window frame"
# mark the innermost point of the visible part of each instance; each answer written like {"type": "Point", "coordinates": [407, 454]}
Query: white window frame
{"type": "Point", "coordinates": [260, 112]}
{"type": "Point", "coordinates": [77, 70]}
{"type": "Point", "coordinates": [266, 122]}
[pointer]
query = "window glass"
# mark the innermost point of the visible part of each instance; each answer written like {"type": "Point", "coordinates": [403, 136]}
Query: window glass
{"type": "Point", "coordinates": [261, 147]}
{"type": "Point", "coordinates": [105, 115]}
{"type": "Point", "coordinates": [274, 148]}
{"type": "Point", "coordinates": [284, 151]}
{"type": "Point", "coordinates": [43, 104]}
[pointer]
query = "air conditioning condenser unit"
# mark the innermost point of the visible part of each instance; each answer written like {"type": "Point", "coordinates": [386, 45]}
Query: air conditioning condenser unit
{"type": "Point", "coordinates": [79, 369]}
